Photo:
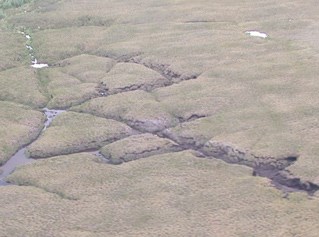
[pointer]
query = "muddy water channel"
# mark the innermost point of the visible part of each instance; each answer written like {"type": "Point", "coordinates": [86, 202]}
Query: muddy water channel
{"type": "Point", "coordinates": [20, 158]}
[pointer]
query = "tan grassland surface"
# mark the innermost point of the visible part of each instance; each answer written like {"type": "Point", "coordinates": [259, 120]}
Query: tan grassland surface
{"type": "Point", "coordinates": [165, 195]}
{"type": "Point", "coordinates": [73, 132]}
{"type": "Point", "coordinates": [136, 147]}
{"type": "Point", "coordinates": [157, 80]}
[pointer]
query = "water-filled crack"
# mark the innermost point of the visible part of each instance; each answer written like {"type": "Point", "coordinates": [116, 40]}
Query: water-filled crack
{"type": "Point", "coordinates": [20, 158]}
{"type": "Point", "coordinates": [273, 170]}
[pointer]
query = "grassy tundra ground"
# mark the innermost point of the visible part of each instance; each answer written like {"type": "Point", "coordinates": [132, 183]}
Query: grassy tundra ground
{"type": "Point", "coordinates": [147, 79]}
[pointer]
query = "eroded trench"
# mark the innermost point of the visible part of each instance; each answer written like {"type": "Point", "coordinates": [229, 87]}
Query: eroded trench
{"type": "Point", "coordinates": [273, 168]}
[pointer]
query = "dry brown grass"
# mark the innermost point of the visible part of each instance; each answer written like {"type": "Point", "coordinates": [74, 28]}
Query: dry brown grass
{"type": "Point", "coordinates": [131, 76]}
{"type": "Point", "coordinates": [167, 195]}
{"type": "Point", "coordinates": [136, 147]}
{"type": "Point", "coordinates": [259, 94]}
{"type": "Point", "coordinates": [138, 108]}
{"type": "Point", "coordinates": [73, 132]}
{"type": "Point", "coordinates": [13, 51]}
{"type": "Point", "coordinates": [21, 85]}
{"type": "Point", "coordinates": [65, 90]}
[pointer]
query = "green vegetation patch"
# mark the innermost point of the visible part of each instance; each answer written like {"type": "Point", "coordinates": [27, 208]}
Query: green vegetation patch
{"type": "Point", "coordinates": [21, 85]}
{"type": "Point", "coordinates": [19, 125]}
{"type": "Point", "coordinates": [73, 132]}
{"type": "Point", "coordinates": [136, 147]}
{"type": "Point", "coordinates": [137, 108]}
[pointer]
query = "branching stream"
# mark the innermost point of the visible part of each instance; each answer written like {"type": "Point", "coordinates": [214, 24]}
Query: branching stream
{"type": "Point", "coordinates": [275, 170]}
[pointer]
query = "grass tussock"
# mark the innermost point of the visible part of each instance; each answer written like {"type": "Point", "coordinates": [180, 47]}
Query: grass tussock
{"type": "Point", "coordinates": [21, 85]}
{"type": "Point", "coordinates": [136, 147]}
{"type": "Point", "coordinates": [129, 76]}
{"type": "Point", "coordinates": [138, 108]}
{"type": "Point", "coordinates": [64, 90]}
{"type": "Point", "coordinates": [13, 51]}
{"type": "Point", "coordinates": [73, 132]}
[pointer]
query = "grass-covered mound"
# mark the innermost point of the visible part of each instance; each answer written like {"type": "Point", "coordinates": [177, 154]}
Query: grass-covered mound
{"type": "Point", "coordinates": [13, 51]}
{"type": "Point", "coordinates": [73, 132]}
{"type": "Point", "coordinates": [87, 68]}
{"type": "Point", "coordinates": [21, 85]}
{"type": "Point", "coordinates": [138, 108]}
{"type": "Point", "coordinates": [65, 90]}
{"type": "Point", "coordinates": [259, 94]}
{"type": "Point", "coordinates": [131, 76]}
{"type": "Point", "coordinates": [136, 147]}
{"type": "Point", "coordinates": [19, 126]}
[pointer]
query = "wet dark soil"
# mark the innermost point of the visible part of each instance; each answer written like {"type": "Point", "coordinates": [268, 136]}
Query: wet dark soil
{"type": "Point", "coordinates": [273, 168]}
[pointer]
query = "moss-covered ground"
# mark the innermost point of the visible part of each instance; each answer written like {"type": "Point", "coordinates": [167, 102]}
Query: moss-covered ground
{"type": "Point", "coordinates": [169, 82]}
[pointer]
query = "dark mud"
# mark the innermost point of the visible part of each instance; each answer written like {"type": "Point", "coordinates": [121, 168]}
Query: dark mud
{"type": "Point", "coordinates": [286, 181]}
{"type": "Point", "coordinates": [273, 168]}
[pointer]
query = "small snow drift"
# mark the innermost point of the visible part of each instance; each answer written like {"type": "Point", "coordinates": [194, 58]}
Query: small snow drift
{"type": "Point", "coordinates": [39, 65]}
{"type": "Point", "coordinates": [257, 34]}
{"type": "Point", "coordinates": [35, 64]}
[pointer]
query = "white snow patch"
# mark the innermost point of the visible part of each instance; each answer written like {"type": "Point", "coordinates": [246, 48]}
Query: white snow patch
{"type": "Point", "coordinates": [34, 61]}
{"type": "Point", "coordinates": [39, 65]}
{"type": "Point", "coordinates": [35, 64]}
{"type": "Point", "coordinates": [23, 33]}
{"type": "Point", "coordinates": [257, 34]}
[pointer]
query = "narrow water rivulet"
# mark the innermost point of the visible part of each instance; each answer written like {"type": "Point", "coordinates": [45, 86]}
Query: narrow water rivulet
{"type": "Point", "coordinates": [34, 61]}
{"type": "Point", "coordinates": [20, 158]}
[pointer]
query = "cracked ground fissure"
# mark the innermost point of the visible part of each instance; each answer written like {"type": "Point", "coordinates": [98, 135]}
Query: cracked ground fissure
{"type": "Point", "coordinates": [282, 178]}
